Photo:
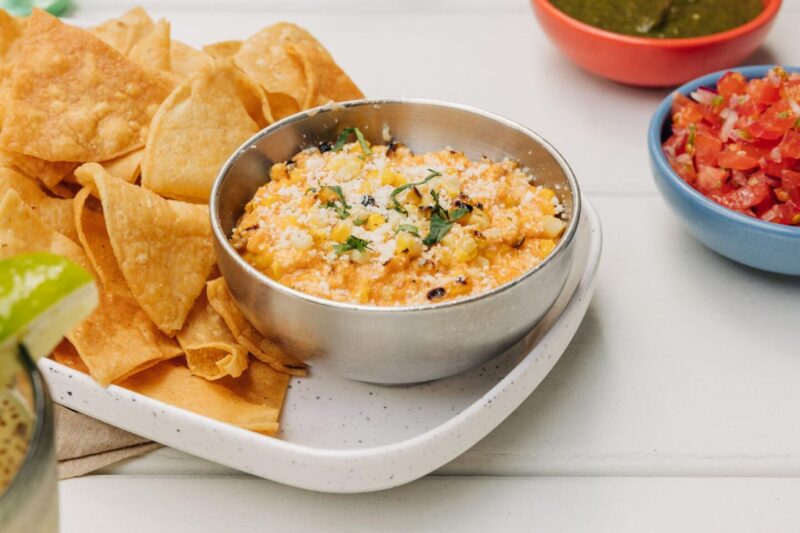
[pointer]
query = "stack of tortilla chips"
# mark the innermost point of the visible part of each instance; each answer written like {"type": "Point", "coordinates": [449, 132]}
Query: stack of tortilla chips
{"type": "Point", "coordinates": [111, 138]}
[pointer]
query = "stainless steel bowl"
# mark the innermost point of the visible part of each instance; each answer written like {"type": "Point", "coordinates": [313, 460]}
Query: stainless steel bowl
{"type": "Point", "coordinates": [393, 344]}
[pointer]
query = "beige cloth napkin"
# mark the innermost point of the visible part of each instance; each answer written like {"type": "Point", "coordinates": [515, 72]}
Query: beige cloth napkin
{"type": "Point", "coordinates": [84, 444]}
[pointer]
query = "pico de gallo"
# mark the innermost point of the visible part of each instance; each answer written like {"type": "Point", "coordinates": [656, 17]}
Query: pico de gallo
{"type": "Point", "coordinates": [739, 144]}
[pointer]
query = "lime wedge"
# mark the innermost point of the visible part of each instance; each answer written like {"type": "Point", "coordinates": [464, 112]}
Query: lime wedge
{"type": "Point", "coordinates": [42, 297]}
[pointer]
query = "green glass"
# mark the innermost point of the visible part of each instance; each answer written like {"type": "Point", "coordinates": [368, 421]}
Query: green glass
{"type": "Point", "coordinates": [29, 504]}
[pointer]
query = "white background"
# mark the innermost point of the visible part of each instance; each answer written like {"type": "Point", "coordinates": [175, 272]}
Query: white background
{"type": "Point", "coordinates": [677, 406]}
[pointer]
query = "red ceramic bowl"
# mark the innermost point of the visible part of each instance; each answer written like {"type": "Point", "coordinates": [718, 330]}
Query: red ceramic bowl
{"type": "Point", "coordinates": [652, 62]}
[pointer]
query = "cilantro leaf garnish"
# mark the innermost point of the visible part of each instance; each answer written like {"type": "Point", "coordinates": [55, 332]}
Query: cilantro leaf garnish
{"type": "Point", "coordinates": [352, 243]}
{"type": "Point", "coordinates": [441, 221]}
{"type": "Point", "coordinates": [393, 197]}
{"type": "Point", "coordinates": [408, 228]}
{"type": "Point", "coordinates": [342, 140]}
{"type": "Point", "coordinates": [339, 204]}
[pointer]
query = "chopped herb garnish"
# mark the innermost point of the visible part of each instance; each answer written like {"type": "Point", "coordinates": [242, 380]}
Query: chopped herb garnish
{"type": "Point", "coordinates": [784, 114]}
{"type": "Point", "coordinates": [408, 228]}
{"type": "Point", "coordinates": [352, 243]}
{"type": "Point", "coordinates": [441, 221]}
{"type": "Point", "coordinates": [360, 221]}
{"type": "Point", "coordinates": [393, 197]}
{"type": "Point", "coordinates": [339, 204]}
{"type": "Point", "coordinates": [342, 140]}
{"type": "Point", "coordinates": [717, 101]}
{"type": "Point", "coordinates": [690, 142]}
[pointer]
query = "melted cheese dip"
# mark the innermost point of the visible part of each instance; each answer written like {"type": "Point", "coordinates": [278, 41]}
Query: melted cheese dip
{"type": "Point", "coordinates": [382, 226]}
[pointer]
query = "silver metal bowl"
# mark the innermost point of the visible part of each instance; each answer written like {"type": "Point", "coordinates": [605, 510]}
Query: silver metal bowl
{"type": "Point", "coordinates": [393, 344]}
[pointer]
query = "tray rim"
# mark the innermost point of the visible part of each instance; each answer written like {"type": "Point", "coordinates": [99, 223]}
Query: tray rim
{"type": "Point", "coordinates": [343, 470]}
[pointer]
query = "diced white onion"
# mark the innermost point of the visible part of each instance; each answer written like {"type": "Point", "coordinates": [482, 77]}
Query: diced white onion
{"type": "Point", "coordinates": [795, 106]}
{"type": "Point", "coordinates": [727, 126]}
{"type": "Point", "coordinates": [703, 96]}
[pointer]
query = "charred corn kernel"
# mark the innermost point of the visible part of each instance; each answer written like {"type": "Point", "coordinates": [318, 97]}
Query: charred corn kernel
{"type": "Point", "coordinates": [374, 220]}
{"type": "Point", "coordinates": [478, 218]}
{"type": "Point", "coordinates": [546, 246]}
{"type": "Point", "coordinates": [341, 231]}
{"type": "Point", "coordinates": [408, 244]}
{"type": "Point", "coordinates": [278, 172]}
{"type": "Point", "coordinates": [297, 175]}
{"type": "Point", "coordinates": [552, 227]}
{"type": "Point", "coordinates": [413, 196]}
{"type": "Point", "coordinates": [547, 194]}
{"type": "Point", "coordinates": [466, 250]}
{"type": "Point", "coordinates": [392, 177]}
{"type": "Point", "coordinates": [288, 221]}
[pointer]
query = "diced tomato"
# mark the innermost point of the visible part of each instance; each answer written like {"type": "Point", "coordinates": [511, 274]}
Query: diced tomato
{"type": "Point", "coordinates": [711, 178]}
{"type": "Point", "coordinates": [706, 148]}
{"type": "Point", "coordinates": [731, 83]}
{"type": "Point", "coordinates": [762, 91]}
{"type": "Point", "coordinates": [737, 160]}
{"type": "Point", "coordinates": [755, 169]}
{"type": "Point", "coordinates": [790, 179]}
{"type": "Point", "coordinates": [790, 145]}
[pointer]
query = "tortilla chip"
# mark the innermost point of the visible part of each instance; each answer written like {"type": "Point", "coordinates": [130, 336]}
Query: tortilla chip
{"type": "Point", "coordinates": [260, 384]}
{"type": "Point", "coordinates": [223, 49]}
{"type": "Point", "coordinates": [23, 231]}
{"type": "Point", "coordinates": [164, 248]}
{"type": "Point", "coordinates": [211, 351]}
{"type": "Point", "coordinates": [196, 130]}
{"type": "Point", "coordinates": [125, 167]}
{"type": "Point", "coordinates": [54, 212]}
{"type": "Point", "coordinates": [66, 354]}
{"type": "Point", "coordinates": [10, 33]}
{"type": "Point", "coordinates": [174, 384]}
{"type": "Point", "coordinates": [74, 98]}
{"type": "Point", "coordinates": [51, 173]}
{"type": "Point", "coordinates": [122, 33]}
{"type": "Point", "coordinates": [296, 71]}
{"type": "Point", "coordinates": [153, 49]}
{"type": "Point", "coordinates": [185, 60]}
{"type": "Point", "coordinates": [264, 349]}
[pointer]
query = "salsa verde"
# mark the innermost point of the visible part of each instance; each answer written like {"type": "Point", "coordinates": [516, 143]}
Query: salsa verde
{"type": "Point", "coordinates": [662, 18]}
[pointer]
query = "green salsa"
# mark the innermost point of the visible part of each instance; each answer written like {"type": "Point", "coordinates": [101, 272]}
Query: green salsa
{"type": "Point", "coordinates": [664, 19]}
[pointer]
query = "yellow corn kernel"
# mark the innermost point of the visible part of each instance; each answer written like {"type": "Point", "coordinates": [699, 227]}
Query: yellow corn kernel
{"type": "Point", "coordinates": [297, 175]}
{"type": "Point", "coordinates": [327, 194]}
{"type": "Point", "coordinates": [459, 287]}
{"type": "Point", "coordinates": [451, 184]}
{"type": "Point", "coordinates": [278, 172]}
{"type": "Point", "coordinates": [546, 246]}
{"type": "Point", "coordinates": [478, 218]}
{"type": "Point", "coordinates": [359, 257]}
{"type": "Point", "coordinates": [336, 164]}
{"type": "Point", "coordinates": [262, 261]}
{"type": "Point", "coordinates": [373, 221]}
{"type": "Point", "coordinates": [466, 250]}
{"type": "Point", "coordinates": [287, 221]}
{"type": "Point", "coordinates": [350, 169]}
{"type": "Point", "coordinates": [552, 227]}
{"type": "Point", "coordinates": [301, 240]}
{"type": "Point", "coordinates": [392, 177]}
{"type": "Point", "coordinates": [407, 244]}
{"type": "Point", "coordinates": [362, 293]}
{"type": "Point", "coordinates": [367, 186]}
{"type": "Point", "coordinates": [547, 194]}
{"type": "Point", "coordinates": [341, 231]}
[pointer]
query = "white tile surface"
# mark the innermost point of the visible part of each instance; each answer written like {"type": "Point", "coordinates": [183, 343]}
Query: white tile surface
{"type": "Point", "coordinates": [686, 365]}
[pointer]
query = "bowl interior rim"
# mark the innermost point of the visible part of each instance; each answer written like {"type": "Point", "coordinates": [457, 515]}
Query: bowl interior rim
{"type": "Point", "coordinates": [660, 118]}
{"type": "Point", "coordinates": [771, 8]}
{"type": "Point", "coordinates": [223, 242]}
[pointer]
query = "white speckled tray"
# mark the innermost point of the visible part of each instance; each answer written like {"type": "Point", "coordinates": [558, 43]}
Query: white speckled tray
{"type": "Point", "coordinates": [345, 436]}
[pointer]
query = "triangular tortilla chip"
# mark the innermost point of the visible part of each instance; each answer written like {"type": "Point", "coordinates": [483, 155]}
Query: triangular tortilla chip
{"type": "Point", "coordinates": [175, 385]}
{"type": "Point", "coordinates": [164, 248]}
{"type": "Point", "coordinates": [125, 167]}
{"type": "Point", "coordinates": [66, 354]}
{"type": "Point", "coordinates": [118, 339]}
{"type": "Point", "coordinates": [55, 212]}
{"type": "Point", "coordinates": [22, 231]}
{"type": "Point", "coordinates": [74, 98]}
{"type": "Point", "coordinates": [124, 32]}
{"type": "Point", "coordinates": [10, 32]}
{"type": "Point", "coordinates": [223, 49]}
{"type": "Point", "coordinates": [196, 130]}
{"type": "Point", "coordinates": [261, 347]}
{"type": "Point", "coordinates": [51, 173]}
{"type": "Point", "coordinates": [294, 68]}
{"type": "Point", "coordinates": [211, 350]}
{"type": "Point", "coordinates": [259, 384]}
{"type": "Point", "coordinates": [152, 51]}
{"type": "Point", "coordinates": [185, 60]}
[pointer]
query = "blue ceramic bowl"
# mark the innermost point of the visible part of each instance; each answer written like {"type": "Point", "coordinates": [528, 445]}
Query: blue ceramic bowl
{"type": "Point", "coordinates": [753, 242]}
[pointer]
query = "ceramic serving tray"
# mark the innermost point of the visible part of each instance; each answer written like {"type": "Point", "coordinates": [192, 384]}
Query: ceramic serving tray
{"type": "Point", "coordinates": [345, 436]}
